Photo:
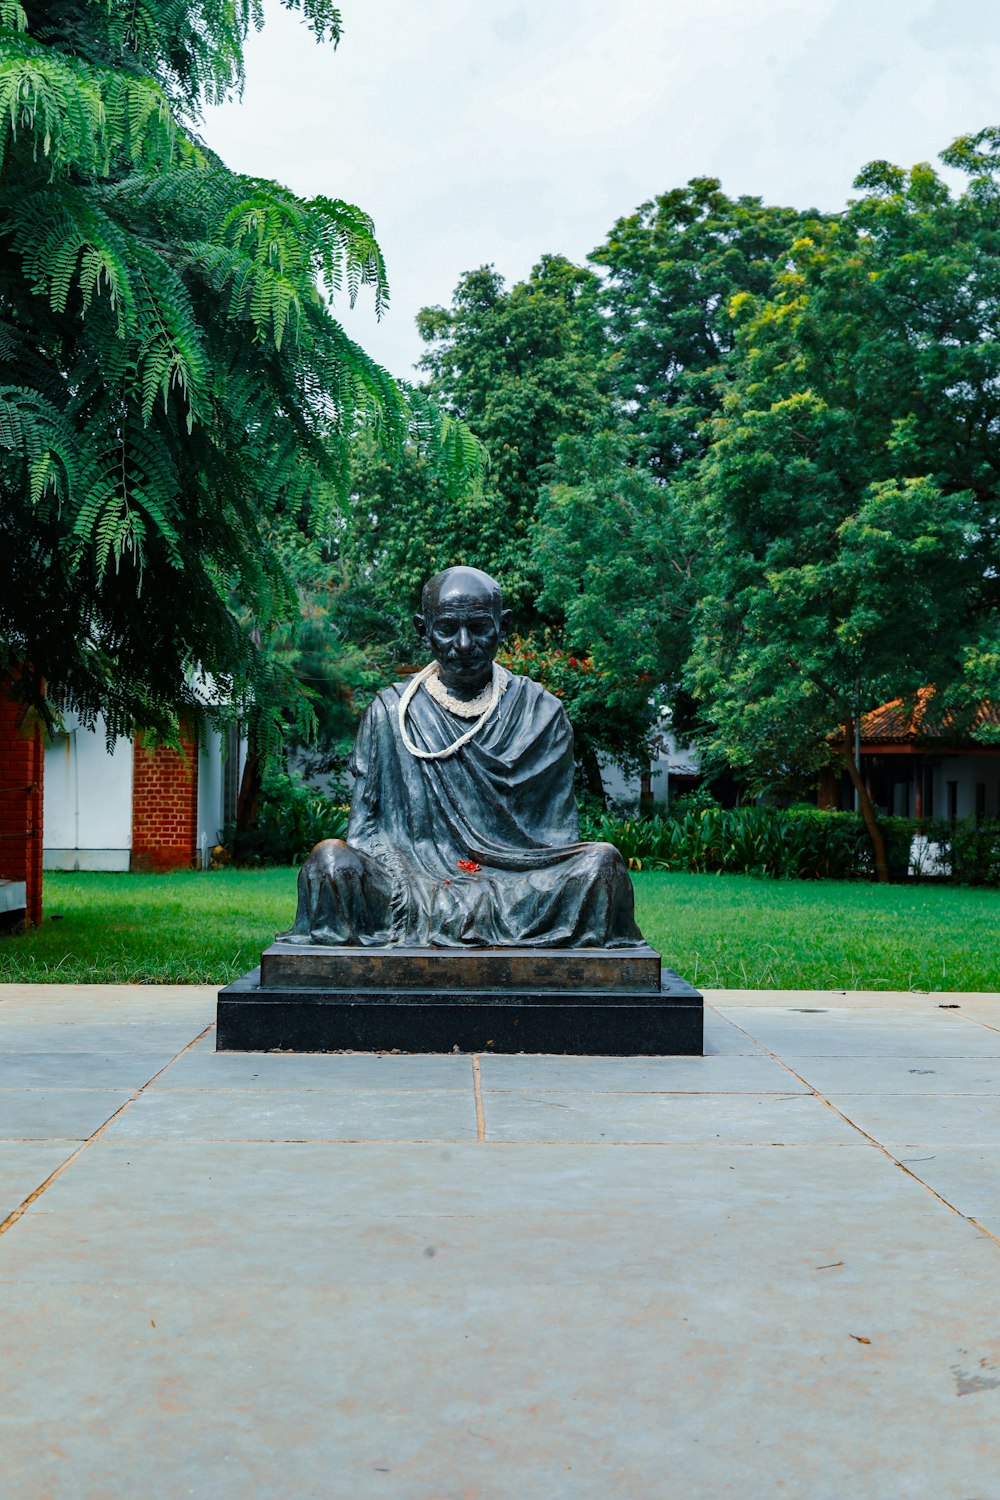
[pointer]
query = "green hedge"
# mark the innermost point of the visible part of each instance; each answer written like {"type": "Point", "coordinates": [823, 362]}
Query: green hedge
{"type": "Point", "coordinates": [793, 843]}
{"type": "Point", "coordinates": [967, 853]}
{"type": "Point", "coordinates": [799, 843]}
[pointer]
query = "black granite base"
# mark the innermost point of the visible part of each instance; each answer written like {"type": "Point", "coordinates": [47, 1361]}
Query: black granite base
{"type": "Point", "coordinates": [584, 1022]}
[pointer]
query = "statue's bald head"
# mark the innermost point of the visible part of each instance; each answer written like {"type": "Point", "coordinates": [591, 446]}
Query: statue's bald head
{"type": "Point", "coordinates": [463, 622]}
{"type": "Point", "coordinates": [465, 584]}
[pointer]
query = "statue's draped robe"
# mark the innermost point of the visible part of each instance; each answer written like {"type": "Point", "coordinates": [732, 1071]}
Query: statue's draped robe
{"type": "Point", "coordinates": [504, 802]}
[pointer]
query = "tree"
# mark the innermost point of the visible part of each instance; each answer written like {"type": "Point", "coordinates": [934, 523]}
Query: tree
{"type": "Point", "coordinates": [172, 378]}
{"type": "Point", "coordinates": [342, 637]}
{"type": "Point", "coordinates": [849, 500]}
{"type": "Point", "coordinates": [611, 545]}
{"type": "Point", "coordinates": [610, 712]}
{"type": "Point", "coordinates": [410, 515]}
{"type": "Point", "coordinates": [523, 368]}
{"type": "Point", "coordinates": [617, 541]}
{"type": "Point", "coordinates": [670, 271]}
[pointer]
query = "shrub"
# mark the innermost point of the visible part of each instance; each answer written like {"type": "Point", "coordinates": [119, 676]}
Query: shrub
{"type": "Point", "coordinates": [796, 843]}
{"type": "Point", "coordinates": [292, 818]}
{"type": "Point", "coordinates": [967, 853]}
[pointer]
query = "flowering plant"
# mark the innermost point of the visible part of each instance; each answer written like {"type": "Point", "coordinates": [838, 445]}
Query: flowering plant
{"type": "Point", "coordinates": [611, 714]}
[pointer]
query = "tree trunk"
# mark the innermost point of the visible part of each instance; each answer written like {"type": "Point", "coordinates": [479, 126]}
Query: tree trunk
{"type": "Point", "coordinates": [867, 809]}
{"type": "Point", "coordinates": [592, 771]}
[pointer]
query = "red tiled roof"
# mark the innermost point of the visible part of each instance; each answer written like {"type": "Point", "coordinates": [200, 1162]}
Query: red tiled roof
{"type": "Point", "coordinates": [906, 721]}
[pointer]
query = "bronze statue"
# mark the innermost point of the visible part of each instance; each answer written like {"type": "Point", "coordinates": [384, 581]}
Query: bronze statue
{"type": "Point", "coordinates": [463, 827]}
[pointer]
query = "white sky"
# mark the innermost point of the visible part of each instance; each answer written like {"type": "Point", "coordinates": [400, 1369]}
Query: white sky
{"type": "Point", "coordinates": [489, 130]}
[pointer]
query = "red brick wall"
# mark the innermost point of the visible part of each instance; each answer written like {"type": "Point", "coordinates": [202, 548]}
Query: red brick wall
{"type": "Point", "coordinates": [164, 805]}
{"type": "Point", "coordinates": [22, 764]}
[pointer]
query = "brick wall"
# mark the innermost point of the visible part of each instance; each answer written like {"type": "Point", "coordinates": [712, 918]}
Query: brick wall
{"type": "Point", "coordinates": [164, 805]}
{"type": "Point", "coordinates": [22, 762]}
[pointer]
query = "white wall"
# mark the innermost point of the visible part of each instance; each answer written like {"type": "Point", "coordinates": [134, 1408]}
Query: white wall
{"type": "Point", "coordinates": [211, 813]}
{"type": "Point", "coordinates": [670, 758]}
{"type": "Point", "coordinates": [966, 771]}
{"type": "Point", "coordinates": [13, 896]}
{"type": "Point", "coordinates": [221, 760]}
{"type": "Point", "coordinates": [88, 800]}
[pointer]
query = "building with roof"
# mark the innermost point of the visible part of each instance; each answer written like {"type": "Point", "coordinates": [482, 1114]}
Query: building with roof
{"type": "Point", "coordinates": [918, 761]}
{"type": "Point", "coordinates": [130, 805]}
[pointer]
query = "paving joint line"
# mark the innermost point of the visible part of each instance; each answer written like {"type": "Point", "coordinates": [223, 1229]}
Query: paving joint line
{"type": "Point", "coordinates": [477, 1092]}
{"type": "Point", "coordinates": [974, 1019]}
{"type": "Point", "coordinates": [967, 1218]}
{"type": "Point", "coordinates": [17, 1213]}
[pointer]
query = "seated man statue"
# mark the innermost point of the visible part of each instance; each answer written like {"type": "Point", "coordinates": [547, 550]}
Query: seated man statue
{"type": "Point", "coordinates": [463, 827]}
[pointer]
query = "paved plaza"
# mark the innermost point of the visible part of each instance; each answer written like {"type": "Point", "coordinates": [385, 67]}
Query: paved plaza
{"type": "Point", "coordinates": [770, 1272]}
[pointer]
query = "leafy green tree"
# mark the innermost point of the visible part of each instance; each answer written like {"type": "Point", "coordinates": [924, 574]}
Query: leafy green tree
{"type": "Point", "coordinates": [524, 368]}
{"type": "Point", "coordinates": [613, 549]}
{"type": "Point", "coordinates": [670, 271]}
{"type": "Point", "coordinates": [848, 503]}
{"type": "Point", "coordinates": [616, 539]}
{"type": "Point", "coordinates": [172, 377]}
{"type": "Point", "coordinates": [327, 656]}
{"type": "Point", "coordinates": [409, 516]}
{"type": "Point", "coordinates": [347, 629]}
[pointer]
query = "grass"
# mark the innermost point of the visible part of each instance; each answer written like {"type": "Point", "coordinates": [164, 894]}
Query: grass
{"type": "Point", "coordinates": [191, 927]}
{"type": "Point", "coordinates": [739, 932]}
{"type": "Point", "coordinates": [720, 931]}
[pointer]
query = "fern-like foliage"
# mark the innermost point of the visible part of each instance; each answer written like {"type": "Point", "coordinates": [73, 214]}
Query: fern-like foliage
{"type": "Point", "coordinates": [172, 378]}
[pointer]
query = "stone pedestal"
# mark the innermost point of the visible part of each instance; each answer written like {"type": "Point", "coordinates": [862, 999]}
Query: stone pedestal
{"type": "Point", "coordinates": [612, 1002]}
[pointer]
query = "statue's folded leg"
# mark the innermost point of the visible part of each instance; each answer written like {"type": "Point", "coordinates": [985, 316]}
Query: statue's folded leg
{"type": "Point", "coordinates": [593, 904]}
{"type": "Point", "coordinates": [344, 898]}
{"type": "Point", "coordinates": [612, 899]}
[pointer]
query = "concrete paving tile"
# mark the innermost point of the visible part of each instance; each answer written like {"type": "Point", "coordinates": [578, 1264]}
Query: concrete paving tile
{"type": "Point", "coordinates": [485, 1249]}
{"type": "Point", "coordinates": [899, 1075]}
{"type": "Point", "coordinates": [929, 1119]}
{"type": "Point", "coordinates": [61, 1114]}
{"type": "Point", "coordinates": [56, 1004]}
{"type": "Point", "coordinates": [860, 1213]}
{"type": "Point", "coordinates": [910, 1002]}
{"type": "Point", "coordinates": [888, 1034]}
{"type": "Point", "coordinates": [705, 1384]}
{"type": "Point", "coordinates": [107, 996]}
{"type": "Point", "coordinates": [203, 1068]}
{"type": "Point", "coordinates": [723, 1038]}
{"type": "Point", "coordinates": [204, 1043]}
{"type": "Point", "coordinates": [24, 1166]}
{"type": "Point", "coordinates": [984, 1008]}
{"type": "Point", "coordinates": [80, 1070]}
{"type": "Point", "coordinates": [390, 1179]}
{"type": "Point", "coordinates": [967, 1177]}
{"type": "Point", "coordinates": [234, 1318]}
{"type": "Point", "coordinates": [166, 1037]}
{"type": "Point", "coordinates": [768, 1119]}
{"type": "Point", "coordinates": [718, 1074]}
{"type": "Point", "coordinates": [321, 1115]}
{"type": "Point", "coordinates": [77, 1012]}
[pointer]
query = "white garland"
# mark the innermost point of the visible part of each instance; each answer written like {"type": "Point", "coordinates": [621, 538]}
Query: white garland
{"type": "Point", "coordinates": [464, 708]}
{"type": "Point", "coordinates": [498, 686]}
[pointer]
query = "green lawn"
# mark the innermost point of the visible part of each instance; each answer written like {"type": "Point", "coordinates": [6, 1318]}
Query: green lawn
{"type": "Point", "coordinates": [720, 931]}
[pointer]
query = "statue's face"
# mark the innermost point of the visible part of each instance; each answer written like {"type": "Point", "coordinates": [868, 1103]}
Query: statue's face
{"type": "Point", "coordinates": [464, 629]}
